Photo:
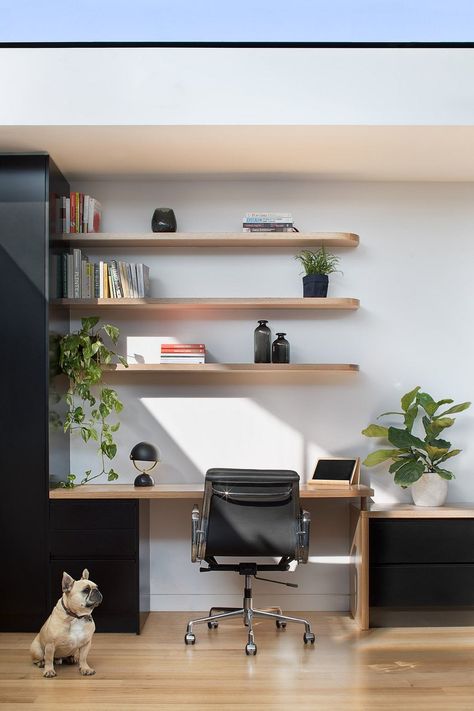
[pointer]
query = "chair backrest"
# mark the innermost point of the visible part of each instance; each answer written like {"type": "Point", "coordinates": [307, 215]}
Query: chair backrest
{"type": "Point", "coordinates": [251, 513]}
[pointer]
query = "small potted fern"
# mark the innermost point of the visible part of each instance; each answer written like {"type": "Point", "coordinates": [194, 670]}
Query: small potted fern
{"type": "Point", "coordinates": [317, 265]}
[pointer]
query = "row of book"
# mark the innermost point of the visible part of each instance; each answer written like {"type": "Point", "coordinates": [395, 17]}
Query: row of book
{"type": "Point", "coordinates": [75, 277]}
{"type": "Point", "coordinates": [268, 222]}
{"type": "Point", "coordinates": [78, 213]}
{"type": "Point", "coordinates": [191, 353]}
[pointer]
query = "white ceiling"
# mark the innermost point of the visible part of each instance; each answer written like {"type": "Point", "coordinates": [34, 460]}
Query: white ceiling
{"type": "Point", "coordinates": [433, 153]}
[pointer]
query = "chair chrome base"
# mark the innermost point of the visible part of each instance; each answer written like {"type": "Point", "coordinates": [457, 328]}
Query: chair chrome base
{"type": "Point", "coordinates": [248, 612]}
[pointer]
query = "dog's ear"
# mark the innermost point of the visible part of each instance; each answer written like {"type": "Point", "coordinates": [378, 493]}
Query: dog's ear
{"type": "Point", "coordinates": [67, 583]}
{"type": "Point", "coordinates": [85, 574]}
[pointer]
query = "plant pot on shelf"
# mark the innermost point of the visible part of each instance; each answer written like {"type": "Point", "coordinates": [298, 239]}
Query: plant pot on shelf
{"type": "Point", "coordinates": [429, 490]}
{"type": "Point", "coordinates": [315, 285]}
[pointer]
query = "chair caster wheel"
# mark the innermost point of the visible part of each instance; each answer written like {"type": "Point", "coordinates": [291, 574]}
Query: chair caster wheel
{"type": "Point", "coordinates": [250, 649]}
{"type": "Point", "coordinates": [213, 625]}
{"type": "Point", "coordinates": [309, 637]}
{"type": "Point", "coordinates": [189, 638]}
{"type": "Point", "coordinates": [280, 625]}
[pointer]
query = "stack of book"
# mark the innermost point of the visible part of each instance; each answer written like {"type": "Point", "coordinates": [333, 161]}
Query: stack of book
{"type": "Point", "coordinates": [78, 213]}
{"type": "Point", "coordinates": [183, 353]}
{"type": "Point", "coordinates": [268, 222]}
{"type": "Point", "coordinates": [74, 277]}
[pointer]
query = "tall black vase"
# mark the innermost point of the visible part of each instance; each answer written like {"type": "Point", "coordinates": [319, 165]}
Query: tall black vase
{"type": "Point", "coordinates": [262, 343]}
{"type": "Point", "coordinates": [280, 349]}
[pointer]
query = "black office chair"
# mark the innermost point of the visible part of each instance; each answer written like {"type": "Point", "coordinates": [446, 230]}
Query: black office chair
{"type": "Point", "coordinates": [250, 513]}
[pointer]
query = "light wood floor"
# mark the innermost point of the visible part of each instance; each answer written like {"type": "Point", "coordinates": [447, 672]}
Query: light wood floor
{"type": "Point", "coordinates": [411, 669]}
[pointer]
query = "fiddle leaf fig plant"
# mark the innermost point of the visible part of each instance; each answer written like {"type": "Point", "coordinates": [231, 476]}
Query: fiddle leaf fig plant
{"type": "Point", "coordinates": [412, 456]}
{"type": "Point", "coordinates": [81, 356]}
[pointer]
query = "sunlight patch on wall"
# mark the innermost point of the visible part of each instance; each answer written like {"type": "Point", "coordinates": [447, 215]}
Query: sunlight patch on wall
{"type": "Point", "coordinates": [228, 432]}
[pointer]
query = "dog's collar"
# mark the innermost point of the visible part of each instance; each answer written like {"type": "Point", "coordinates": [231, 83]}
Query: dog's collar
{"type": "Point", "coordinates": [86, 618]}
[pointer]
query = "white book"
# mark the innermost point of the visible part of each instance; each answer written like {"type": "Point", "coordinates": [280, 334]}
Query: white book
{"type": "Point", "coordinates": [101, 280]}
{"type": "Point", "coordinates": [141, 288]}
{"type": "Point", "coordinates": [175, 360]}
{"type": "Point", "coordinates": [85, 214]}
{"type": "Point", "coordinates": [134, 280]}
{"type": "Point", "coordinates": [77, 273]}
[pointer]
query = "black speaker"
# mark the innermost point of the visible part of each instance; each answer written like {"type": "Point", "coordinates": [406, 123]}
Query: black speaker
{"type": "Point", "coordinates": [163, 220]}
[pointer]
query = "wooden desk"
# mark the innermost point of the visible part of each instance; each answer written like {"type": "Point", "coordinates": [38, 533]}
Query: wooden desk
{"type": "Point", "coordinates": [193, 491]}
{"type": "Point", "coordinates": [420, 558]}
{"type": "Point", "coordinates": [106, 528]}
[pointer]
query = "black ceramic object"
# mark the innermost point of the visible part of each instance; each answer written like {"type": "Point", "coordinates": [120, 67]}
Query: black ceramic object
{"type": "Point", "coordinates": [163, 220]}
{"type": "Point", "coordinates": [144, 452]}
{"type": "Point", "coordinates": [315, 285]}
{"type": "Point", "coordinates": [262, 343]}
{"type": "Point", "coordinates": [280, 349]}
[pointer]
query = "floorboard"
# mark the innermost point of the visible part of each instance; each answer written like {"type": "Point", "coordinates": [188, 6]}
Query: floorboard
{"type": "Point", "coordinates": [414, 669]}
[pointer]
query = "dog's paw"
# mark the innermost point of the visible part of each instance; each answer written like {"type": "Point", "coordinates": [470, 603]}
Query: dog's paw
{"type": "Point", "coordinates": [49, 673]}
{"type": "Point", "coordinates": [39, 663]}
{"type": "Point", "coordinates": [87, 671]}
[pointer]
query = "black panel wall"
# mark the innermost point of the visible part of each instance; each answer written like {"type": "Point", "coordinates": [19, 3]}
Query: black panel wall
{"type": "Point", "coordinates": [25, 184]}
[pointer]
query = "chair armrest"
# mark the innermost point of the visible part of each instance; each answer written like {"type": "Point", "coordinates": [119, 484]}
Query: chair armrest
{"type": "Point", "coordinates": [303, 537]}
{"type": "Point", "coordinates": [195, 532]}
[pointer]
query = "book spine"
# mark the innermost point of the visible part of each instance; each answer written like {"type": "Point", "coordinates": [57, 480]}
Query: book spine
{"type": "Point", "coordinates": [85, 217]}
{"type": "Point", "coordinates": [67, 228]}
{"type": "Point", "coordinates": [116, 280]}
{"type": "Point", "coordinates": [70, 276]}
{"type": "Point", "coordinates": [183, 361]}
{"type": "Point", "coordinates": [97, 272]}
{"type": "Point", "coordinates": [146, 281]}
{"type": "Point", "coordinates": [267, 229]}
{"type": "Point", "coordinates": [110, 282]}
{"type": "Point", "coordinates": [77, 273]}
{"type": "Point", "coordinates": [72, 198]}
{"type": "Point", "coordinates": [63, 291]}
{"type": "Point", "coordinates": [80, 202]}
{"type": "Point", "coordinates": [266, 225]}
{"type": "Point", "coordinates": [101, 280]}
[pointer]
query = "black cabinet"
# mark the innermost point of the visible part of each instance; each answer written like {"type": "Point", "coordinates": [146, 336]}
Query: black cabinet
{"type": "Point", "coordinates": [421, 563]}
{"type": "Point", "coordinates": [111, 540]}
{"type": "Point", "coordinates": [30, 185]}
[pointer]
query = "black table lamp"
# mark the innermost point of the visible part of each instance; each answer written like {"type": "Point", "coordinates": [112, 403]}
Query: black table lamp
{"type": "Point", "coordinates": [144, 452]}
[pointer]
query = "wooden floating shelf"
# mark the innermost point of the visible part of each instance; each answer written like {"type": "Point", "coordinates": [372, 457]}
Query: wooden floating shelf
{"type": "Point", "coordinates": [210, 239]}
{"type": "Point", "coordinates": [231, 368]}
{"type": "Point", "coordinates": [212, 304]}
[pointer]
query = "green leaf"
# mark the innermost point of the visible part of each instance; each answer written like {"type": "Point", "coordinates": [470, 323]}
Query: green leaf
{"type": "Point", "coordinates": [115, 427]}
{"type": "Point", "coordinates": [89, 322]}
{"type": "Point", "coordinates": [435, 453]}
{"type": "Point", "coordinates": [404, 439]}
{"type": "Point", "coordinates": [379, 456]}
{"type": "Point", "coordinates": [409, 473]}
{"type": "Point", "coordinates": [441, 423]}
{"type": "Point", "coordinates": [427, 403]}
{"type": "Point", "coordinates": [396, 465]}
{"type": "Point", "coordinates": [112, 475]}
{"type": "Point", "coordinates": [123, 361]}
{"type": "Point", "coordinates": [452, 453]}
{"type": "Point", "coordinates": [85, 434]}
{"type": "Point", "coordinates": [410, 417]}
{"type": "Point", "coordinates": [112, 331]}
{"type": "Point", "coordinates": [444, 473]}
{"type": "Point", "coordinates": [446, 401]}
{"type": "Point", "coordinates": [456, 408]}
{"type": "Point", "coordinates": [375, 431]}
{"type": "Point", "coordinates": [408, 398]}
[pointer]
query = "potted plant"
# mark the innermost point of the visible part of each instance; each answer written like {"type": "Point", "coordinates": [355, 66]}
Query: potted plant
{"type": "Point", "coordinates": [418, 462]}
{"type": "Point", "coordinates": [317, 265]}
{"type": "Point", "coordinates": [81, 355]}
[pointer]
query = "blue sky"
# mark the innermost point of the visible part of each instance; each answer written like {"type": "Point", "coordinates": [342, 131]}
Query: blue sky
{"type": "Point", "coordinates": [242, 20]}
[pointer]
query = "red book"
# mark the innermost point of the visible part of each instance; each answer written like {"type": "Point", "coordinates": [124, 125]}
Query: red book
{"type": "Point", "coordinates": [73, 212]}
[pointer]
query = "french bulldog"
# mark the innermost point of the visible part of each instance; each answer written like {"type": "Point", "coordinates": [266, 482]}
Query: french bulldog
{"type": "Point", "coordinates": [66, 636]}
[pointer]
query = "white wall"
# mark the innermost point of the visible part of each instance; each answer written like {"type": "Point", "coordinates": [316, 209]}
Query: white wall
{"type": "Point", "coordinates": [159, 86]}
{"type": "Point", "coordinates": [413, 274]}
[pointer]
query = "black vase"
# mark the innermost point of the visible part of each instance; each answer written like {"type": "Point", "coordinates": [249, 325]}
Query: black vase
{"type": "Point", "coordinates": [280, 349]}
{"type": "Point", "coordinates": [262, 343]}
{"type": "Point", "coordinates": [163, 220]}
{"type": "Point", "coordinates": [315, 285]}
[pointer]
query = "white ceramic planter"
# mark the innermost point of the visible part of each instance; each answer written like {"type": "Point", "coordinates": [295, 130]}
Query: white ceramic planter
{"type": "Point", "coordinates": [429, 490]}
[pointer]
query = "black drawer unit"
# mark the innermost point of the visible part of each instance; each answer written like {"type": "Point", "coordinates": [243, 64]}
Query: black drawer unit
{"type": "Point", "coordinates": [421, 563]}
{"type": "Point", "coordinates": [111, 539]}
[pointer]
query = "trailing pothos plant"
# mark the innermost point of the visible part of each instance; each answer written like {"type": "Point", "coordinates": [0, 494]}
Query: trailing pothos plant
{"type": "Point", "coordinates": [81, 355]}
{"type": "Point", "coordinates": [413, 456]}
